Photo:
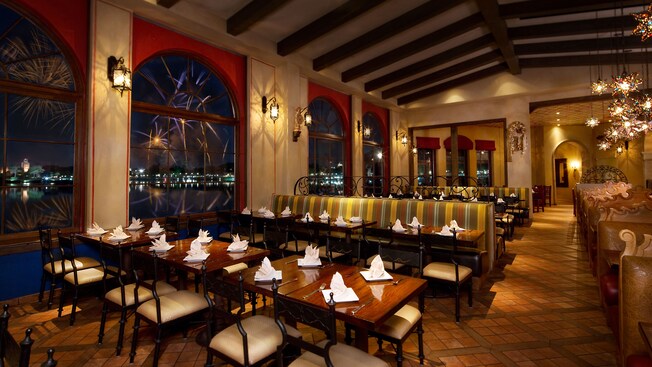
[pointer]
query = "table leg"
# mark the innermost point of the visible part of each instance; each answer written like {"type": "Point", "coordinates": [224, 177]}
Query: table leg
{"type": "Point", "coordinates": [361, 338]}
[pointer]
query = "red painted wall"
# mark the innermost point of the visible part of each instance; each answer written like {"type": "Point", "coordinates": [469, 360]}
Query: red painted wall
{"type": "Point", "coordinates": [66, 19]}
{"type": "Point", "coordinates": [342, 102]}
{"type": "Point", "coordinates": [150, 39]}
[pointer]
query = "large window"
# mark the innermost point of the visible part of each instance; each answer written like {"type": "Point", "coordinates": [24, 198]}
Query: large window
{"type": "Point", "coordinates": [183, 153]}
{"type": "Point", "coordinates": [426, 167]}
{"type": "Point", "coordinates": [39, 107]}
{"type": "Point", "coordinates": [372, 154]}
{"type": "Point", "coordinates": [484, 167]}
{"type": "Point", "coordinates": [462, 164]}
{"type": "Point", "coordinates": [326, 148]}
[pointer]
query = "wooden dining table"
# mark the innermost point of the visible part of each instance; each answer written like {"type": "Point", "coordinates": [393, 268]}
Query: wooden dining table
{"type": "Point", "coordinates": [378, 300]}
{"type": "Point", "coordinates": [466, 238]}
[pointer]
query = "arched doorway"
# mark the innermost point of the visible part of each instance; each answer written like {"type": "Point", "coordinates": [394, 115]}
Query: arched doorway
{"type": "Point", "coordinates": [568, 159]}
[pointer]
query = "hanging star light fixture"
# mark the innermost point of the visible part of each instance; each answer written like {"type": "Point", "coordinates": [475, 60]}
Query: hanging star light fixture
{"type": "Point", "coordinates": [644, 26]}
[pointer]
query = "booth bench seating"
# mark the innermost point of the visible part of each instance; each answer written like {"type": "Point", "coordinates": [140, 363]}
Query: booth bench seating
{"type": "Point", "coordinates": [523, 193]}
{"type": "Point", "coordinates": [471, 215]}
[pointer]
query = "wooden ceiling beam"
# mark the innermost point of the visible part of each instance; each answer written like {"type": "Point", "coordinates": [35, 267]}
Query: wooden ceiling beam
{"type": "Point", "coordinates": [411, 48]}
{"type": "Point", "coordinates": [166, 3]}
{"type": "Point", "coordinates": [498, 27]}
{"type": "Point", "coordinates": [452, 84]}
{"type": "Point", "coordinates": [251, 14]}
{"type": "Point", "coordinates": [390, 29]}
{"type": "Point", "coordinates": [546, 8]}
{"type": "Point", "coordinates": [430, 62]}
{"type": "Point", "coordinates": [325, 24]}
{"type": "Point", "coordinates": [587, 60]}
{"type": "Point", "coordinates": [585, 45]}
{"type": "Point", "coordinates": [591, 26]}
{"type": "Point", "coordinates": [440, 75]}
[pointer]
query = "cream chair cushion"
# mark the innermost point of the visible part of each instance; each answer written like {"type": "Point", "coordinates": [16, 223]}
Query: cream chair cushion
{"type": "Point", "coordinates": [263, 336]}
{"type": "Point", "coordinates": [232, 269]}
{"type": "Point", "coordinates": [225, 236]}
{"type": "Point", "coordinates": [445, 271]}
{"type": "Point", "coordinates": [80, 262]}
{"type": "Point", "coordinates": [144, 294]}
{"type": "Point", "coordinates": [334, 254]}
{"type": "Point", "coordinates": [341, 355]}
{"type": "Point", "coordinates": [298, 246]}
{"type": "Point", "coordinates": [86, 276]}
{"type": "Point", "coordinates": [174, 305]}
{"type": "Point", "coordinates": [401, 322]}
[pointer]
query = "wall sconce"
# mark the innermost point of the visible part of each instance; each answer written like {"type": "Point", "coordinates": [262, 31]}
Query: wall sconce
{"type": "Point", "coordinates": [575, 165]}
{"type": "Point", "coordinates": [366, 130]}
{"type": "Point", "coordinates": [414, 150]}
{"type": "Point", "coordinates": [119, 75]}
{"type": "Point", "coordinates": [304, 117]}
{"type": "Point", "coordinates": [402, 136]}
{"type": "Point", "coordinates": [273, 108]}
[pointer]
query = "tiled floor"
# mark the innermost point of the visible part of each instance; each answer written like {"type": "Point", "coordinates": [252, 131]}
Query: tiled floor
{"type": "Point", "coordinates": [539, 308]}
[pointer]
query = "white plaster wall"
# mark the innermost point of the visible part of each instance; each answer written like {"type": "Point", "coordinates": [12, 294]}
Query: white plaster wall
{"type": "Point", "coordinates": [107, 200]}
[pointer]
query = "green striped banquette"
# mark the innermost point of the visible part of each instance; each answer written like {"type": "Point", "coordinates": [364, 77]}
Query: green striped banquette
{"type": "Point", "coordinates": [472, 215]}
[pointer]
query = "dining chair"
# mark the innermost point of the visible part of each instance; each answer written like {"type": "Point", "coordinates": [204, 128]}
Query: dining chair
{"type": "Point", "coordinates": [171, 223]}
{"type": "Point", "coordinates": [325, 353]}
{"type": "Point", "coordinates": [449, 273]}
{"type": "Point", "coordinates": [404, 250]}
{"type": "Point", "coordinates": [124, 297]}
{"type": "Point", "coordinates": [250, 341]}
{"type": "Point", "coordinates": [244, 226]}
{"type": "Point", "coordinates": [75, 277]}
{"type": "Point", "coordinates": [52, 264]}
{"type": "Point", "coordinates": [169, 310]}
{"type": "Point", "coordinates": [194, 225]}
{"type": "Point", "coordinates": [224, 225]}
{"type": "Point", "coordinates": [16, 353]}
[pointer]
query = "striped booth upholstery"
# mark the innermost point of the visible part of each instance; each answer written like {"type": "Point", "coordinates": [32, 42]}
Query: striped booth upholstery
{"type": "Point", "coordinates": [472, 215]}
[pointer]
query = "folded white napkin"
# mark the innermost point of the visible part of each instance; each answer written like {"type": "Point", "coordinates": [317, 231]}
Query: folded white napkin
{"type": "Point", "coordinates": [246, 211]}
{"type": "Point", "coordinates": [307, 218]}
{"type": "Point", "coordinates": [373, 196]}
{"type": "Point", "coordinates": [491, 194]}
{"type": "Point", "coordinates": [95, 228]}
{"type": "Point", "coordinates": [390, 196]}
{"type": "Point", "coordinates": [196, 252]}
{"type": "Point", "coordinates": [420, 197]}
{"type": "Point", "coordinates": [266, 270]}
{"type": "Point", "coordinates": [238, 246]}
{"type": "Point", "coordinates": [474, 199]}
{"type": "Point", "coordinates": [160, 244]}
{"type": "Point", "coordinates": [118, 234]}
{"type": "Point", "coordinates": [437, 198]}
{"type": "Point", "coordinates": [398, 227]}
{"type": "Point", "coordinates": [454, 225]}
{"type": "Point", "coordinates": [312, 256]}
{"type": "Point", "coordinates": [136, 223]}
{"type": "Point", "coordinates": [445, 230]}
{"type": "Point", "coordinates": [262, 209]}
{"type": "Point", "coordinates": [236, 238]}
{"type": "Point", "coordinates": [512, 195]}
{"type": "Point", "coordinates": [399, 192]}
{"type": "Point", "coordinates": [204, 236]}
{"type": "Point", "coordinates": [365, 195]}
{"type": "Point", "coordinates": [500, 201]}
{"type": "Point", "coordinates": [269, 214]}
{"type": "Point", "coordinates": [286, 212]}
{"type": "Point", "coordinates": [355, 220]}
{"type": "Point", "coordinates": [324, 215]}
{"type": "Point", "coordinates": [155, 227]}
{"type": "Point", "coordinates": [340, 222]}
{"type": "Point", "coordinates": [415, 223]}
{"type": "Point", "coordinates": [337, 284]}
{"type": "Point", "coordinates": [377, 268]}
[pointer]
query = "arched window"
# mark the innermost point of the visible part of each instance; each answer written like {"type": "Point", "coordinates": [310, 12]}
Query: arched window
{"type": "Point", "coordinates": [39, 107]}
{"type": "Point", "coordinates": [372, 154]}
{"type": "Point", "coordinates": [183, 154]}
{"type": "Point", "coordinates": [326, 147]}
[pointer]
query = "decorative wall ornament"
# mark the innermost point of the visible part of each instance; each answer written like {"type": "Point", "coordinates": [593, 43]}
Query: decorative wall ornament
{"type": "Point", "coordinates": [517, 137]}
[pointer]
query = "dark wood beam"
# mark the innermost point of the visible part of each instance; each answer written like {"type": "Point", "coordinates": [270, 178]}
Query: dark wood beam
{"type": "Point", "coordinates": [166, 3]}
{"type": "Point", "coordinates": [392, 28]}
{"type": "Point", "coordinates": [585, 45]}
{"type": "Point", "coordinates": [324, 24]}
{"type": "Point", "coordinates": [452, 84]}
{"type": "Point", "coordinates": [591, 26]}
{"type": "Point", "coordinates": [498, 27]}
{"type": "Point", "coordinates": [546, 8]}
{"type": "Point", "coordinates": [430, 62]}
{"type": "Point", "coordinates": [440, 75]}
{"type": "Point", "coordinates": [250, 14]}
{"type": "Point", "coordinates": [586, 60]}
{"type": "Point", "coordinates": [413, 47]}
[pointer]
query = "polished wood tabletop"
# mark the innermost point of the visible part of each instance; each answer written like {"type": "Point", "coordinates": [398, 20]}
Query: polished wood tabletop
{"type": "Point", "coordinates": [218, 259]}
{"type": "Point", "coordinates": [467, 237]}
{"type": "Point", "coordinates": [136, 238]}
{"type": "Point", "coordinates": [378, 300]}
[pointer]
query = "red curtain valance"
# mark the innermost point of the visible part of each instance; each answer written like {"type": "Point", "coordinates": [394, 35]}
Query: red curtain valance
{"type": "Point", "coordinates": [428, 143]}
{"type": "Point", "coordinates": [463, 143]}
{"type": "Point", "coordinates": [485, 145]}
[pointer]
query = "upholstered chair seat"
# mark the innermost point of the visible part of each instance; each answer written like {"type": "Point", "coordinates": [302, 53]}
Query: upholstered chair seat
{"type": "Point", "coordinates": [400, 323]}
{"type": "Point", "coordinates": [173, 306]}
{"type": "Point", "coordinates": [263, 336]}
{"type": "Point", "coordinates": [445, 271]}
{"type": "Point", "coordinates": [87, 276]}
{"type": "Point", "coordinates": [341, 355]}
{"type": "Point", "coordinates": [80, 262]}
{"type": "Point", "coordinates": [144, 294]}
